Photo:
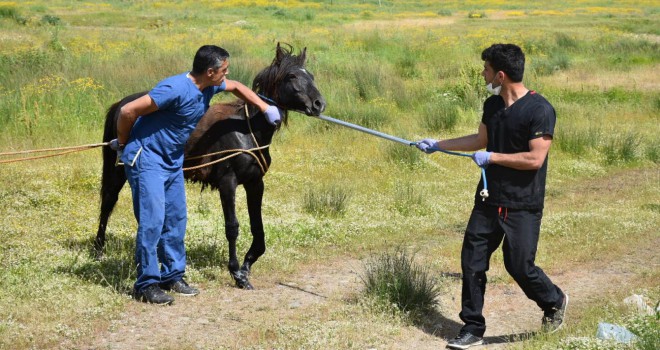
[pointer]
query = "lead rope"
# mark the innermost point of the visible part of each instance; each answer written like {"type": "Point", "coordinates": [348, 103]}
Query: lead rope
{"type": "Point", "coordinates": [484, 192]}
{"type": "Point", "coordinates": [66, 150]}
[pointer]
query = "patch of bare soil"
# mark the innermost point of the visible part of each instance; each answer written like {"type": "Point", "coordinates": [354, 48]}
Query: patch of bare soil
{"type": "Point", "coordinates": [401, 23]}
{"type": "Point", "coordinates": [216, 317]}
{"type": "Point", "coordinates": [634, 79]}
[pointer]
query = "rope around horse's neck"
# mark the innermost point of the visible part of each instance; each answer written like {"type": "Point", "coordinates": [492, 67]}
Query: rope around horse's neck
{"type": "Point", "coordinates": [236, 152]}
{"type": "Point", "coordinates": [66, 150]}
{"type": "Point", "coordinates": [264, 166]}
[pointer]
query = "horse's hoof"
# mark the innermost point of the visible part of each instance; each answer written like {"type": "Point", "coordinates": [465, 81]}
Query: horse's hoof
{"type": "Point", "coordinates": [99, 255]}
{"type": "Point", "coordinates": [244, 285]}
{"type": "Point", "coordinates": [241, 278]}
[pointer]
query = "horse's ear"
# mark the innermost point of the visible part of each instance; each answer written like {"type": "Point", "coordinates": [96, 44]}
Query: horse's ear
{"type": "Point", "coordinates": [279, 53]}
{"type": "Point", "coordinates": [303, 55]}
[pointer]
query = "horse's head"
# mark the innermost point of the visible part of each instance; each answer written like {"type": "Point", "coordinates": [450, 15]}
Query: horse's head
{"type": "Point", "coordinates": [289, 84]}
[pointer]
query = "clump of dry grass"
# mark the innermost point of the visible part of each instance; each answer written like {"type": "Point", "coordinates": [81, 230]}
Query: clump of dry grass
{"type": "Point", "coordinates": [395, 279]}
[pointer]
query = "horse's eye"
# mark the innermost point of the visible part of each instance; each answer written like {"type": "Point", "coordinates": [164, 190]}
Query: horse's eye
{"type": "Point", "coordinates": [292, 76]}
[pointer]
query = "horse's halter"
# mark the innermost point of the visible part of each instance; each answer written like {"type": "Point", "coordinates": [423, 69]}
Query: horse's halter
{"type": "Point", "coordinates": [279, 105]}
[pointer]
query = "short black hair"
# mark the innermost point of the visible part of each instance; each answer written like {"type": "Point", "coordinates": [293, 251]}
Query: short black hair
{"type": "Point", "coordinates": [508, 58]}
{"type": "Point", "coordinates": [209, 56]}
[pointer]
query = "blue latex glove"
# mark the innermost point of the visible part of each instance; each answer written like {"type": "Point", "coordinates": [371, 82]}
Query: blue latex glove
{"type": "Point", "coordinates": [482, 158]}
{"type": "Point", "coordinates": [114, 145]}
{"type": "Point", "coordinates": [426, 145]}
{"type": "Point", "coordinates": [273, 115]}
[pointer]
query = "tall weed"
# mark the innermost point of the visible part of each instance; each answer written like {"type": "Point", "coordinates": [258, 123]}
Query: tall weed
{"type": "Point", "coordinates": [621, 148]}
{"type": "Point", "coordinates": [401, 154]}
{"type": "Point", "coordinates": [396, 279]}
{"type": "Point", "coordinates": [440, 115]}
{"type": "Point", "coordinates": [408, 200]}
{"type": "Point", "coordinates": [653, 151]}
{"type": "Point", "coordinates": [469, 87]}
{"type": "Point", "coordinates": [551, 64]}
{"type": "Point", "coordinates": [567, 42]}
{"type": "Point", "coordinates": [577, 141]}
{"type": "Point", "coordinates": [326, 201]}
{"type": "Point", "coordinates": [8, 11]}
{"type": "Point", "coordinates": [372, 114]}
{"type": "Point", "coordinates": [370, 81]}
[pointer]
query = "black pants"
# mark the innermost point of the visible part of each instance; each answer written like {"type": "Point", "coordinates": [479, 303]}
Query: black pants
{"type": "Point", "coordinates": [519, 230]}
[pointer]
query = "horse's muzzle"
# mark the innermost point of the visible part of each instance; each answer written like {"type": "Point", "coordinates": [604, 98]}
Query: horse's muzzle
{"type": "Point", "coordinates": [317, 107]}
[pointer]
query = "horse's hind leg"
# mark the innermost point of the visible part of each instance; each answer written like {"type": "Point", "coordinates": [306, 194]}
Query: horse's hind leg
{"type": "Point", "coordinates": [228, 198]}
{"type": "Point", "coordinates": [255, 192]}
{"type": "Point", "coordinates": [112, 181]}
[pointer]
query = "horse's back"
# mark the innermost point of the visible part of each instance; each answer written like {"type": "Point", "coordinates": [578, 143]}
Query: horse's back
{"type": "Point", "coordinates": [216, 113]}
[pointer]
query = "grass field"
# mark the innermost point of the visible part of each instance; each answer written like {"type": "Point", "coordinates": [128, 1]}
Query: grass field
{"type": "Point", "coordinates": [408, 68]}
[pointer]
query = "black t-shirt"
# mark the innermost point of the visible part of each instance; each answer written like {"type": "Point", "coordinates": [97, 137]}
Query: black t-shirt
{"type": "Point", "coordinates": [509, 131]}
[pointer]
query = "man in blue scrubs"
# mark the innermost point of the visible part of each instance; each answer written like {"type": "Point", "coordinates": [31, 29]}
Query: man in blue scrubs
{"type": "Point", "coordinates": [151, 134]}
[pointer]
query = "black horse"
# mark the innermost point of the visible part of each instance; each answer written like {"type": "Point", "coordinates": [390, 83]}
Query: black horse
{"type": "Point", "coordinates": [237, 133]}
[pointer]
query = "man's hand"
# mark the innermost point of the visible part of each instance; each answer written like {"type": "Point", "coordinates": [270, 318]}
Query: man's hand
{"type": "Point", "coordinates": [427, 145]}
{"type": "Point", "coordinates": [115, 145]}
{"type": "Point", "coordinates": [273, 115]}
{"type": "Point", "coordinates": [482, 158]}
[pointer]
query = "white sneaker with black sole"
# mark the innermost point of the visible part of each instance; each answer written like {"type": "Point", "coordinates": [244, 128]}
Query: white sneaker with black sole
{"type": "Point", "coordinates": [465, 340]}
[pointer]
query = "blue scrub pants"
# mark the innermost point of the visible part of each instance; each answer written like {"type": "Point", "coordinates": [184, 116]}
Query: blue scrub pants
{"type": "Point", "coordinates": [159, 205]}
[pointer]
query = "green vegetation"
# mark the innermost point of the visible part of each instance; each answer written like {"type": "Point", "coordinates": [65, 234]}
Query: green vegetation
{"type": "Point", "coordinates": [395, 279]}
{"type": "Point", "coordinates": [408, 68]}
{"type": "Point", "coordinates": [326, 201]}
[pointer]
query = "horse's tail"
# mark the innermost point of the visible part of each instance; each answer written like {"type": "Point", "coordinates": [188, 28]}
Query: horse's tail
{"type": "Point", "coordinates": [109, 155]}
{"type": "Point", "coordinates": [113, 177]}
{"type": "Point", "coordinates": [110, 133]}
{"type": "Point", "coordinates": [110, 128]}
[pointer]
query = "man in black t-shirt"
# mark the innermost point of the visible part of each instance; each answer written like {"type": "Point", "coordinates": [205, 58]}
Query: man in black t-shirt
{"type": "Point", "coordinates": [516, 129]}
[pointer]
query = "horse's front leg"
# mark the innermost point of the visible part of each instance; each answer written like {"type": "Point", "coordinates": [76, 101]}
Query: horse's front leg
{"type": "Point", "coordinates": [254, 193]}
{"type": "Point", "coordinates": [228, 198]}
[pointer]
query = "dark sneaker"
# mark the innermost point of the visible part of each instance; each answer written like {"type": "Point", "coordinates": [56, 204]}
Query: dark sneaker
{"type": "Point", "coordinates": [181, 287]}
{"type": "Point", "coordinates": [553, 320]}
{"type": "Point", "coordinates": [464, 340]}
{"type": "Point", "coordinates": [153, 295]}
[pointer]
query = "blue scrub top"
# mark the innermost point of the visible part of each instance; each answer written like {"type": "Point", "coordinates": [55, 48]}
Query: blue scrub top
{"type": "Point", "coordinates": [159, 138]}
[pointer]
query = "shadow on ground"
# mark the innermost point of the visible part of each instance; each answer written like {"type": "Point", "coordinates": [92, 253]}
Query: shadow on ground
{"type": "Point", "coordinates": [116, 268]}
{"type": "Point", "coordinates": [509, 338]}
{"type": "Point", "coordinates": [440, 326]}
{"type": "Point", "coordinates": [437, 325]}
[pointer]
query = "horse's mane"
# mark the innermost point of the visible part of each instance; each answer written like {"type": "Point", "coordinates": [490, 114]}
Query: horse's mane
{"type": "Point", "coordinates": [266, 82]}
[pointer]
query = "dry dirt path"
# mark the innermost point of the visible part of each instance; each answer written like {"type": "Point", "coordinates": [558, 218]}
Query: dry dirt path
{"type": "Point", "coordinates": [221, 316]}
